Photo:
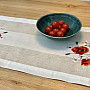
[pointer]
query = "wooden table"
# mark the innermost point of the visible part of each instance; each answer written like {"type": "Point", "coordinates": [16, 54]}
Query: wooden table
{"type": "Point", "coordinates": [34, 9]}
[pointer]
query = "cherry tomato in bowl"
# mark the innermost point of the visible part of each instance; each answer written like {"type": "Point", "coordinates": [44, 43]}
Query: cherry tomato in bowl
{"type": "Point", "coordinates": [60, 34]}
{"type": "Point", "coordinates": [48, 29]}
{"type": "Point", "coordinates": [66, 26]}
{"type": "Point", "coordinates": [52, 33]}
{"type": "Point", "coordinates": [56, 30]}
{"type": "Point", "coordinates": [55, 24]}
{"type": "Point", "coordinates": [61, 22]}
{"type": "Point", "coordinates": [63, 30]}
{"type": "Point", "coordinates": [59, 27]}
{"type": "Point", "coordinates": [51, 26]}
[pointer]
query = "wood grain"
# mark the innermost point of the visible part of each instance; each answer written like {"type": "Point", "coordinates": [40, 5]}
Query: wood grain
{"type": "Point", "coordinates": [13, 80]}
{"type": "Point", "coordinates": [34, 9]}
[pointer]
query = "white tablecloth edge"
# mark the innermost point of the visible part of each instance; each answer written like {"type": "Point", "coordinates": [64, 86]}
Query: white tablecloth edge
{"type": "Point", "coordinates": [44, 72]}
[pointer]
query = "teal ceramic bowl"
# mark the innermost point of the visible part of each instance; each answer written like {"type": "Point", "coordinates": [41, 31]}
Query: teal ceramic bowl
{"type": "Point", "coordinates": [73, 22]}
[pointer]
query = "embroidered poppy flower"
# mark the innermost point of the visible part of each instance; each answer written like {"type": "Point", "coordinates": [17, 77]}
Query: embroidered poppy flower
{"type": "Point", "coordinates": [80, 50]}
{"type": "Point", "coordinates": [85, 62]}
{"type": "Point", "coordinates": [0, 35]}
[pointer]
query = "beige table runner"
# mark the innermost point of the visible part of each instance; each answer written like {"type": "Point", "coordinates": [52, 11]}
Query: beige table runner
{"type": "Point", "coordinates": [24, 49]}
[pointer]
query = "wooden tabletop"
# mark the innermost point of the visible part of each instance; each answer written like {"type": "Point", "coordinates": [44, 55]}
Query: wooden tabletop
{"type": "Point", "coordinates": [34, 9]}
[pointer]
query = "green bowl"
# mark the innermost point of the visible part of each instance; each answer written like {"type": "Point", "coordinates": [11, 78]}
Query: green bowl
{"type": "Point", "coordinates": [73, 22]}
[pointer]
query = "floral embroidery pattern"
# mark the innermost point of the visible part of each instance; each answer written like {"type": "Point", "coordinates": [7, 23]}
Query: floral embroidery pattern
{"type": "Point", "coordinates": [85, 62]}
{"type": "Point", "coordinates": [82, 52]}
{"type": "Point", "coordinates": [1, 34]}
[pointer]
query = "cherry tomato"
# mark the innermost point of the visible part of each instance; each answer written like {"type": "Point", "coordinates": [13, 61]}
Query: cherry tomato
{"type": "Point", "coordinates": [61, 22]}
{"type": "Point", "coordinates": [59, 27]}
{"type": "Point", "coordinates": [66, 26]}
{"type": "Point", "coordinates": [63, 30]}
{"type": "Point", "coordinates": [55, 24]}
{"type": "Point", "coordinates": [50, 26]}
{"type": "Point", "coordinates": [56, 30]}
{"type": "Point", "coordinates": [60, 34]}
{"type": "Point", "coordinates": [48, 29]}
{"type": "Point", "coordinates": [52, 33]}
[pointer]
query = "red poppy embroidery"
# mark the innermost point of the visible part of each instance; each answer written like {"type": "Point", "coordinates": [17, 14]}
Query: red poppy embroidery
{"type": "Point", "coordinates": [85, 62]}
{"type": "Point", "coordinates": [0, 35]}
{"type": "Point", "coordinates": [80, 50]}
{"type": "Point", "coordinates": [83, 53]}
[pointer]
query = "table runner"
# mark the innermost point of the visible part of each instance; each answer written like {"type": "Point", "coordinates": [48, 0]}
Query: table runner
{"type": "Point", "coordinates": [25, 49]}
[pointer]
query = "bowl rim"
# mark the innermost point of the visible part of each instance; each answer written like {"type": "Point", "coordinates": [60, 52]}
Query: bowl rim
{"type": "Point", "coordinates": [58, 14]}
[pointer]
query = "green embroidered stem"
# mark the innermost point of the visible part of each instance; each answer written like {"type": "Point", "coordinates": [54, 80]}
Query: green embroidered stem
{"type": "Point", "coordinates": [80, 57]}
{"type": "Point", "coordinates": [4, 33]}
{"type": "Point", "coordinates": [76, 43]}
{"type": "Point", "coordinates": [67, 53]}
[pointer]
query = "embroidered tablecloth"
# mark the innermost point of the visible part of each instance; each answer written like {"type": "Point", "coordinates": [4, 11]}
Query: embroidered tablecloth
{"type": "Point", "coordinates": [24, 49]}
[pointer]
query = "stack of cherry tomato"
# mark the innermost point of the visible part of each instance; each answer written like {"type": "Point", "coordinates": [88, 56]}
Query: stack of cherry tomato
{"type": "Point", "coordinates": [57, 29]}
